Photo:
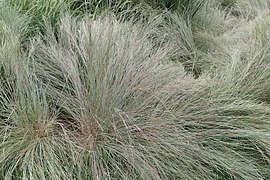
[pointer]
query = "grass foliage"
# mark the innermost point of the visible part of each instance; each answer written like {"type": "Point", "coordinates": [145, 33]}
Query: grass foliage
{"type": "Point", "coordinates": [177, 90]}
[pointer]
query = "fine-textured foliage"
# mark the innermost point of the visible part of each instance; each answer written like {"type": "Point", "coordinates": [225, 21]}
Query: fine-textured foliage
{"type": "Point", "coordinates": [109, 80]}
{"type": "Point", "coordinates": [149, 89]}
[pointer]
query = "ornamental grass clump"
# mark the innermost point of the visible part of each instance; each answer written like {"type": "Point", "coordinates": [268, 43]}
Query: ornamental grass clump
{"type": "Point", "coordinates": [30, 146]}
{"type": "Point", "coordinates": [112, 87]}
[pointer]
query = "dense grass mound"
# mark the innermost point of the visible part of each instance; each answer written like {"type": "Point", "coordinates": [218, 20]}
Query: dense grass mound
{"type": "Point", "coordinates": [89, 91]}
